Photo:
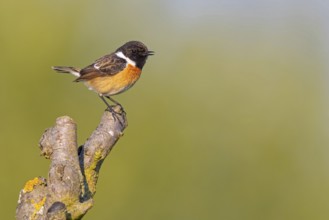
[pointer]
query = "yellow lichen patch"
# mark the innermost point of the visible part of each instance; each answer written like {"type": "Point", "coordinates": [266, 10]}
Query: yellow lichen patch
{"type": "Point", "coordinates": [69, 200]}
{"type": "Point", "coordinates": [29, 185]}
{"type": "Point", "coordinates": [37, 207]}
{"type": "Point", "coordinates": [91, 173]}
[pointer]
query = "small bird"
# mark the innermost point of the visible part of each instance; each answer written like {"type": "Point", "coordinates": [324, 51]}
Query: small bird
{"type": "Point", "coordinates": [114, 73]}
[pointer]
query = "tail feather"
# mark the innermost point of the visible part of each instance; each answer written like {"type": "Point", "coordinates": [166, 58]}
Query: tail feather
{"type": "Point", "coordinates": [67, 69]}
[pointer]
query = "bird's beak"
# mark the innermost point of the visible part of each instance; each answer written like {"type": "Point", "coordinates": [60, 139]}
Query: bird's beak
{"type": "Point", "coordinates": [150, 53]}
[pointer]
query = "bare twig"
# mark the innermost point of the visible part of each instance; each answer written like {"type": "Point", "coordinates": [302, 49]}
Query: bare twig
{"type": "Point", "coordinates": [68, 191]}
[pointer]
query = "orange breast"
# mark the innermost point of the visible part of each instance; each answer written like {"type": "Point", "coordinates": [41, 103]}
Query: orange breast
{"type": "Point", "coordinates": [112, 85]}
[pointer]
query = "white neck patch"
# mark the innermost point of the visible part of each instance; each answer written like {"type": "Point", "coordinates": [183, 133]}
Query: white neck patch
{"type": "Point", "coordinates": [129, 61]}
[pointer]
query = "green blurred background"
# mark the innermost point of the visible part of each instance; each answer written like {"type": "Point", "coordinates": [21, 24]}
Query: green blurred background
{"type": "Point", "coordinates": [229, 120]}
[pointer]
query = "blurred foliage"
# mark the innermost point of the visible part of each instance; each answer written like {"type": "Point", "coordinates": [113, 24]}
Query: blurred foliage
{"type": "Point", "coordinates": [229, 120]}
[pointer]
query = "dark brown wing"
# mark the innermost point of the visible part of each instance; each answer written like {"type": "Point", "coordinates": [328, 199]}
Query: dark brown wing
{"type": "Point", "coordinates": [107, 65]}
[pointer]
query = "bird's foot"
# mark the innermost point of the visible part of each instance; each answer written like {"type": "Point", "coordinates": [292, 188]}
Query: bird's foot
{"type": "Point", "coordinates": [116, 111]}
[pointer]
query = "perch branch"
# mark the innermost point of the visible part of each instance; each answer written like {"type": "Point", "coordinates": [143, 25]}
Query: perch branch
{"type": "Point", "coordinates": [68, 191]}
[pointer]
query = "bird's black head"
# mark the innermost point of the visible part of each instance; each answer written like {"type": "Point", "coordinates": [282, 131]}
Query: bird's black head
{"type": "Point", "coordinates": [135, 51]}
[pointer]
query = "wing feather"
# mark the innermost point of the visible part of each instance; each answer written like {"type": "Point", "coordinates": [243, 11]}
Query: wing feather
{"type": "Point", "coordinates": [105, 66]}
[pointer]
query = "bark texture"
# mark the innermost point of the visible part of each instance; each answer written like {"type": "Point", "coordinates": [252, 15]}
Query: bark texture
{"type": "Point", "coordinates": [68, 191]}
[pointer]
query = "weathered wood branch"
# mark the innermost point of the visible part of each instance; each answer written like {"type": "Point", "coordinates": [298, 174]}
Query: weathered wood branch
{"type": "Point", "coordinates": [68, 191]}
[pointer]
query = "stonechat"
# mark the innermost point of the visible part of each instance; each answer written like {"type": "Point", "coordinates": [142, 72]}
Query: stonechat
{"type": "Point", "coordinates": [114, 73]}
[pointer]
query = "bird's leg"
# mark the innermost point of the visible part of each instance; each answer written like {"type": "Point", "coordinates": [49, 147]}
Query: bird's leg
{"type": "Point", "coordinates": [115, 102]}
{"type": "Point", "coordinates": [107, 104]}
{"type": "Point", "coordinates": [110, 109]}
